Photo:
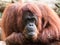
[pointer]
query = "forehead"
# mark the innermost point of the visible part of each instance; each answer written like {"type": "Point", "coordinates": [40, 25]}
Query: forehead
{"type": "Point", "coordinates": [29, 14]}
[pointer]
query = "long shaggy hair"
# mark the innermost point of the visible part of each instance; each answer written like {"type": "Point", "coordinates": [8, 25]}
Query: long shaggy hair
{"type": "Point", "coordinates": [48, 21]}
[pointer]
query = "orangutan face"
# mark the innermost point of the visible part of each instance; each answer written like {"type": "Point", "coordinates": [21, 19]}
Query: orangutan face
{"type": "Point", "coordinates": [30, 28]}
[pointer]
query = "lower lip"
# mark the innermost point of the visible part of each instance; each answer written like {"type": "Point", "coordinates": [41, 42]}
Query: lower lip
{"type": "Point", "coordinates": [31, 33]}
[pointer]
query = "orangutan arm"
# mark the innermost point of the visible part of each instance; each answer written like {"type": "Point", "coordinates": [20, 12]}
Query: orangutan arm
{"type": "Point", "coordinates": [50, 34]}
{"type": "Point", "coordinates": [50, 28]}
{"type": "Point", "coordinates": [16, 38]}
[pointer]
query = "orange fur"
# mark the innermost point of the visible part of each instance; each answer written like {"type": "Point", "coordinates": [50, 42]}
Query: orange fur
{"type": "Point", "coordinates": [49, 30]}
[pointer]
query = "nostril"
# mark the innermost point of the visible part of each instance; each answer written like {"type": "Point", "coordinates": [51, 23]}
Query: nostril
{"type": "Point", "coordinates": [30, 25]}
